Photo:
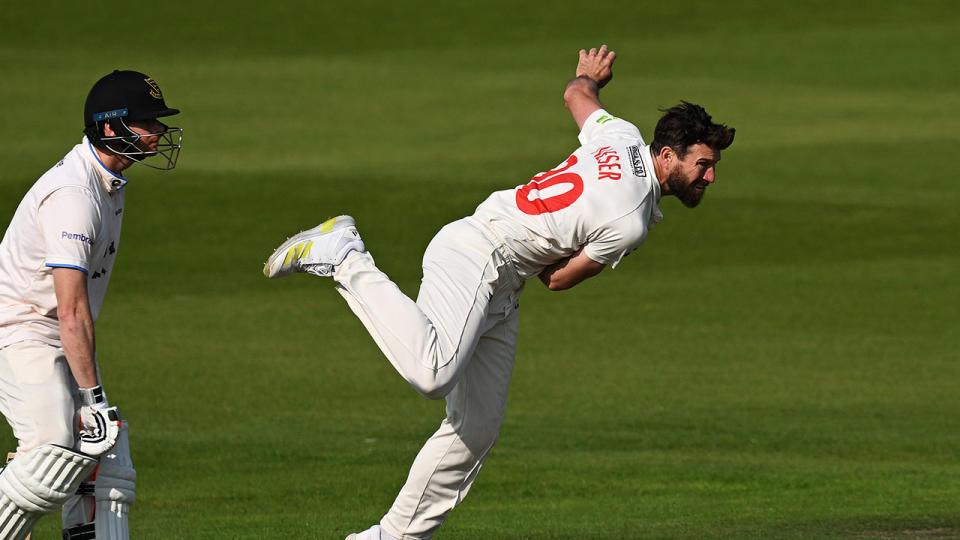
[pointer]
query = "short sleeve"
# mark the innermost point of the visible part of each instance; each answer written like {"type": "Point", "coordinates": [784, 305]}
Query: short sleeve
{"type": "Point", "coordinates": [69, 221]}
{"type": "Point", "coordinates": [616, 239]}
{"type": "Point", "coordinates": [603, 125]}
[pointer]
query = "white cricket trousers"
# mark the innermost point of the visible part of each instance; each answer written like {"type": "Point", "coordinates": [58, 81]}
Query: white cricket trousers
{"type": "Point", "coordinates": [39, 398]}
{"type": "Point", "coordinates": [457, 341]}
{"type": "Point", "coordinates": [37, 393]}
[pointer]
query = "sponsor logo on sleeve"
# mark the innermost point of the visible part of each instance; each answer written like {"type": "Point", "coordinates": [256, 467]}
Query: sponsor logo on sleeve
{"type": "Point", "coordinates": [79, 237]}
{"type": "Point", "coordinates": [636, 162]}
{"type": "Point", "coordinates": [604, 118]}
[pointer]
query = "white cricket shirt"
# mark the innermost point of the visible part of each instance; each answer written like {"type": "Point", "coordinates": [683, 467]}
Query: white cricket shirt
{"type": "Point", "coordinates": [71, 218]}
{"type": "Point", "coordinates": [603, 198]}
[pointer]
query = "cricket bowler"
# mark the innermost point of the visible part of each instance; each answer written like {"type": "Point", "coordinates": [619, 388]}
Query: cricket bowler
{"type": "Point", "coordinates": [458, 339]}
{"type": "Point", "coordinates": [56, 259]}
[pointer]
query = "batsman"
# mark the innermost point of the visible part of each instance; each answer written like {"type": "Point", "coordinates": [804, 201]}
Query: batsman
{"type": "Point", "coordinates": [56, 258]}
{"type": "Point", "coordinates": [458, 339]}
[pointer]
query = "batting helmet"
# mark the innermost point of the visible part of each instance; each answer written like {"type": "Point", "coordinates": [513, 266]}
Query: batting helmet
{"type": "Point", "coordinates": [124, 96]}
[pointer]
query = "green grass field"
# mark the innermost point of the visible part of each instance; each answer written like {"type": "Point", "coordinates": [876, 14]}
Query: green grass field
{"type": "Point", "coordinates": [782, 362]}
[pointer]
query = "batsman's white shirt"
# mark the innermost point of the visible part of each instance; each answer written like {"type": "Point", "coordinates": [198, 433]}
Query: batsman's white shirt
{"type": "Point", "coordinates": [603, 198]}
{"type": "Point", "coordinates": [71, 218]}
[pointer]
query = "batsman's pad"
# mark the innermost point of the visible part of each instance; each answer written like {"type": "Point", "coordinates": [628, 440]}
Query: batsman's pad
{"type": "Point", "coordinates": [37, 483]}
{"type": "Point", "coordinates": [115, 490]}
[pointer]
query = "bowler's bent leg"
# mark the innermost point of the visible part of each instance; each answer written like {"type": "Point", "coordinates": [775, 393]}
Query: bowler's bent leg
{"type": "Point", "coordinates": [447, 465]}
{"type": "Point", "coordinates": [430, 341]}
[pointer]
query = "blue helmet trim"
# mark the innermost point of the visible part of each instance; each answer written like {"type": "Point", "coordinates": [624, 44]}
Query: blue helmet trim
{"type": "Point", "coordinates": [107, 115]}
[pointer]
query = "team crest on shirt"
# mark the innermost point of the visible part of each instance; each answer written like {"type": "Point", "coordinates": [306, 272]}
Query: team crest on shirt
{"type": "Point", "coordinates": [154, 88]}
{"type": "Point", "coordinates": [636, 162]}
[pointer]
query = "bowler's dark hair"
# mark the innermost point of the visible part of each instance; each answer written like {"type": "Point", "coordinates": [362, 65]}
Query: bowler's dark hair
{"type": "Point", "coordinates": [687, 124]}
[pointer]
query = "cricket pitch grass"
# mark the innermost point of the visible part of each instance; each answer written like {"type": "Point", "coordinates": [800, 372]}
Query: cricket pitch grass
{"type": "Point", "coordinates": [781, 362]}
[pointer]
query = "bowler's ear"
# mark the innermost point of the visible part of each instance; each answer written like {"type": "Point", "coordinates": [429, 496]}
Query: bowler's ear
{"type": "Point", "coordinates": [666, 154]}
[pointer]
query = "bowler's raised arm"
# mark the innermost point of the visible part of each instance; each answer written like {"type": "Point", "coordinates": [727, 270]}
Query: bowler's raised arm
{"type": "Point", "coordinates": [594, 71]}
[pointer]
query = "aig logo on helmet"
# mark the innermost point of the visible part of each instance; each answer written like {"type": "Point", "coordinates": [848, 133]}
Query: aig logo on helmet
{"type": "Point", "coordinates": [154, 88]}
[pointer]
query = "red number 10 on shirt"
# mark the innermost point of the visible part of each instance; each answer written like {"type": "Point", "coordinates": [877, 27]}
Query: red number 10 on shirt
{"type": "Point", "coordinates": [545, 180]}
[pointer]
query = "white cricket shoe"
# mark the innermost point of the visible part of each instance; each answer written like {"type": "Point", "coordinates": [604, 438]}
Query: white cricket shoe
{"type": "Point", "coordinates": [373, 533]}
{"type": "Point", "coordinates": [317, 251]}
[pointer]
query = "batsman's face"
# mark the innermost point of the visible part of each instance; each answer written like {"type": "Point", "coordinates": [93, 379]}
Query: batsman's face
{"type": "Point", "coordinates": [689, 178]}
{"type": "Point", "coordinates": [150, 131]}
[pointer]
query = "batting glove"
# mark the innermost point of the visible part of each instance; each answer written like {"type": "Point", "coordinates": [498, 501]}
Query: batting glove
{"type": "Point", "coordinates": [99, 423]}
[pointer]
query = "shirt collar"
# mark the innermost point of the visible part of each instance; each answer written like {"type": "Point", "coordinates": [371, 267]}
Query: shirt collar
{"type": "Point", "coordinates": [648, 158]}
{"type": "Point", "coordinates": [111, 181]}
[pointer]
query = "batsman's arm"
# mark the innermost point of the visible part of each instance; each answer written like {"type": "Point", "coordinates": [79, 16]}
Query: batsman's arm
{"type": "Point", "coordinates": [76, 324]}
{"type": "Point", "coordinates": [570, 271]}
{"type": "Point", "coordinates": [99, 423]}
{"type": "Point", "coordinates": [582, 94]}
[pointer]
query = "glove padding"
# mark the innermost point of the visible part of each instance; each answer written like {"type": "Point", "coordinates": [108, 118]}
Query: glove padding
{"type": "Point", "coordinates": [99, 429]}
{"type": "Point", "coordinates": [99, 423]}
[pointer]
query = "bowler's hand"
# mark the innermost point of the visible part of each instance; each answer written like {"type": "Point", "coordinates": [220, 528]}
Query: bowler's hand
{"type": "Point", "coordinates": [597, 64]}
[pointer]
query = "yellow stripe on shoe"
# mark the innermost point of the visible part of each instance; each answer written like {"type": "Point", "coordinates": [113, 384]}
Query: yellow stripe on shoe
{"type": "Point", "coordinates": [327, 225]}
{"type": "Point", "coordinates": [291, 253]}
{"type": "Point", "coordinates": [297, 252]}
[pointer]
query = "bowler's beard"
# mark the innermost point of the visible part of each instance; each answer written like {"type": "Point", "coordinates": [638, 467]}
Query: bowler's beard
{"type": "Point", "coordinates": [685, 191]}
